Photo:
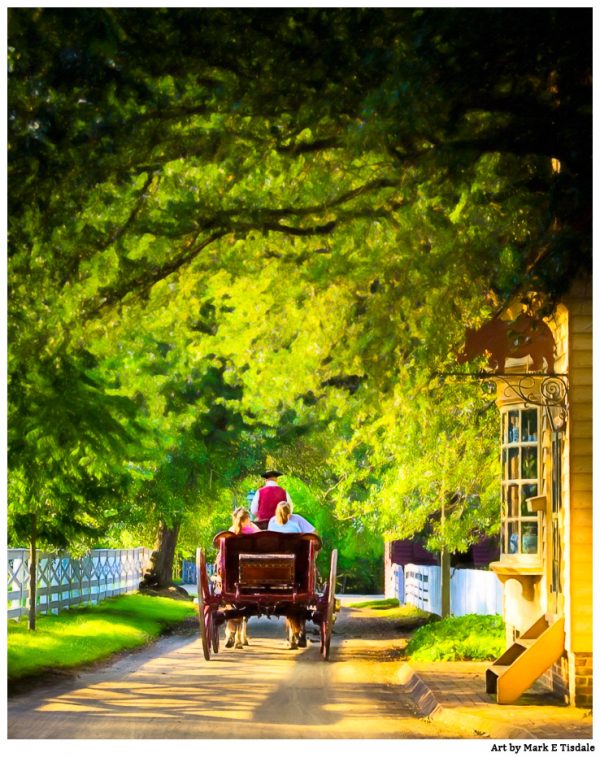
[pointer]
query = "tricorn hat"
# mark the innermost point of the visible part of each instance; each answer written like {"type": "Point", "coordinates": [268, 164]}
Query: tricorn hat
{"type": "Point", "coordinates": [271, 473]}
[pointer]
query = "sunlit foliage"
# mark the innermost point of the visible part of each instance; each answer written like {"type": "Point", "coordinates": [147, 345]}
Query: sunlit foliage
{"type": "Point", "coordinates": [264, 230]}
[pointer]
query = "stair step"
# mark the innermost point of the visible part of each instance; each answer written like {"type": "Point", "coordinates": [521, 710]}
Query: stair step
{"type": "Point", "coordinates": [526, 658]}
{"type": "Point", "coordinates": [497, 669]}
{"type": "Point", "coordinates": [525, 641]}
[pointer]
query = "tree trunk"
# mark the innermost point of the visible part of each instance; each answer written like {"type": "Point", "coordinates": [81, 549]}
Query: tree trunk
{"type": "Point", "coordinates": [444, 562]}
{"type": "Point", "coordinates": [445, 576]}
{"type": "Point", "coordinates": [159, 574]}
{"type": "Point", "coordinates": [32, 574]}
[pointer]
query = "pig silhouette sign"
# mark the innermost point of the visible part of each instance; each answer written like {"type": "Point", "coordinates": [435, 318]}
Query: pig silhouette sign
{"type": "Point", "coordinates": [524, 337]}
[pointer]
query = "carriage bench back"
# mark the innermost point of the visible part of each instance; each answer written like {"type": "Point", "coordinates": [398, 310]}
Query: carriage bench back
{"type": "Point", "coordinates": [268, 570]}
{"type": "Point", "coordinates": [268, 559]}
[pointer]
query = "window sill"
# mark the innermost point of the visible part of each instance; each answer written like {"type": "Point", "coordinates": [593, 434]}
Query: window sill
{"type": "Point", "coordinates": [526, 575]}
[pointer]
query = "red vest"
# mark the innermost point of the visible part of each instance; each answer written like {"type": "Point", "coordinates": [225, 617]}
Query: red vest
{"type": "Point", "coordinates": [268, 498]}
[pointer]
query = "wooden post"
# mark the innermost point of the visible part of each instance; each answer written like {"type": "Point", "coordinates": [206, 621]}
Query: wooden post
{"type": "Point", "coordinates": [32, 574]}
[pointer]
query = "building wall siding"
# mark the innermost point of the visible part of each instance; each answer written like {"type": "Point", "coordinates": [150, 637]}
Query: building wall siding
{"type": "Point", "coordinates": [571, 675]}
{"type": "Point", "coordinates": [580, 308]}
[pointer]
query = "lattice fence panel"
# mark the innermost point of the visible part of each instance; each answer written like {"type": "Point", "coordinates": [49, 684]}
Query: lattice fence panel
{"type": "Point", "coordinates": [63, 581]}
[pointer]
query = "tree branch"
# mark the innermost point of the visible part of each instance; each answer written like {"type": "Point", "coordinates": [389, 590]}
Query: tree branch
{"type": "Point", "coordinates": [300, 231]}
{"type": "Point", "coordinates": [225, 224]}
{"type": "Point", "coordinates": [345, 197]}
{"type": "Point", "coordinates": [117, 234]}
{"type": "Point", "coordinates": [148, 278]}
{"type": "Point", "coordinates": [327, 143]}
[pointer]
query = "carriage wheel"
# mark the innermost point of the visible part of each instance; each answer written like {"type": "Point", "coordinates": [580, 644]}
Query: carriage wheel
{"type": "Point", "coordinates": [327, 622]}
{"type": "Point", "coordinates": [204, 612]}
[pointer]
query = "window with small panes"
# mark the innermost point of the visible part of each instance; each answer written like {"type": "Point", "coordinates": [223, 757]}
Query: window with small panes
{"type": "Point", "coordinates": [520, 481]}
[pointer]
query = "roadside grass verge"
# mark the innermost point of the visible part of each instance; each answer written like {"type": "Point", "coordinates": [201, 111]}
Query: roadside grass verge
{"type": "Point", "coordinates": [86, 634]}
{"type": "Point", "coordinates": [388, 602]}
{"type": "Point", "coordinates": [401, 618]}
{"type": "Point", "coordinates": [458, 638]}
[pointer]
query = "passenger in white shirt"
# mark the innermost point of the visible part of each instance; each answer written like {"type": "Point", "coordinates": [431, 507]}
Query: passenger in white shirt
{"type": "Point", "coordinates": [305, 526]}
{"type": "Point", "coordinates": [284, 521]}
{"type": "Point", "coordinates": [281, 521]}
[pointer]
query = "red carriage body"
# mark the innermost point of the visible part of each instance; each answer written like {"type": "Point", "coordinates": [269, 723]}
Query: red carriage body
{"type": "Point", "coordinates": [264, 573]}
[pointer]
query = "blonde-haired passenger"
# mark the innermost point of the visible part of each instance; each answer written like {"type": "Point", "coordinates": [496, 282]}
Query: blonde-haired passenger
{"type": "Point", "coordinates": [282, 521]}
{"type": "Point", "coordinates": [235, 629]}
{"type": "Point", "coordinates": [241, 523]}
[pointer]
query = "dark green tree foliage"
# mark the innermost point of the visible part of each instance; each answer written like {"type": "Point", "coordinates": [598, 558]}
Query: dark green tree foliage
{"type": "Point", "coordinates": [115, 94]}
{"type": "Point", "coordinates": [311, 203]}
{"type": "Point", "coordinates": [67, 440]}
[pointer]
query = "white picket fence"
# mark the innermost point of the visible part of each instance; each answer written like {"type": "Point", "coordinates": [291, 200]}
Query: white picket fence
{"type": "Point", "coordinates": [471, 590]}
{"type": "Point", "coordinates": [63, 581]}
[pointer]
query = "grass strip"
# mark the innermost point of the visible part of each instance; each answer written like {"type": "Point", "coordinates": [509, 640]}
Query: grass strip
{"type": "Point", "coordinates": [388, 602]}
{"type": "Point", "coordinates": [90, 633]}
{"type": "Point", "coordinates": [472, 637]}
{"type": "Point", "coordinates": [403, 617]}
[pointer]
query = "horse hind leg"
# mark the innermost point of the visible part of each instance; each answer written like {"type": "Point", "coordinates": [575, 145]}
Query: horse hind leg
{"type": "Point", "coordinates": [230, 633]}
{"type": "Point", "coordinates": [293, 632]}
{"type": "Point", "coordinates": [244, 626]}
{"type": "Point", "coordinates": [239, 641]}
{"type": "Point", "coordinates": [302, 633]}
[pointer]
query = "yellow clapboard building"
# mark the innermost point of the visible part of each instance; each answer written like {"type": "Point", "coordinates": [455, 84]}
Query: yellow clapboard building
{"type": "Point", "coordinates": [546, 556]}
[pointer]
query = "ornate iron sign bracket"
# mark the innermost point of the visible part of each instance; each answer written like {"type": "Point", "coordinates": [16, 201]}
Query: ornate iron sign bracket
{"type": "Point", "coordinates": [552, 393]}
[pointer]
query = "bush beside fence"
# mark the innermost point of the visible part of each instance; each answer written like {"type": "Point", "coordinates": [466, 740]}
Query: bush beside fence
{"type": "Point", "coordinates": [63, 581]}
{"type": "Point", "coordinates": [471, 590]}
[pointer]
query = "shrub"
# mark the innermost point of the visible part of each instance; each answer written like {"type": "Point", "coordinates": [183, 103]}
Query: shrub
{"type": "Point", "coordinates": [463, 638]}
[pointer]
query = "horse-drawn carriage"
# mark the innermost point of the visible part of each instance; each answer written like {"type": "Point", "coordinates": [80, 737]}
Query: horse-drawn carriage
{"type": "Point", "coordinates": [265, 573]}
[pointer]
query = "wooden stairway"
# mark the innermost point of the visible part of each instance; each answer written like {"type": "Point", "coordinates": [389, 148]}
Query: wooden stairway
{"type": "Point", "coordinates": [525, 660]}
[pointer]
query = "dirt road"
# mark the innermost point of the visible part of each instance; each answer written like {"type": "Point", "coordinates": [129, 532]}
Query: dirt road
{"type": "Point", "coordinates": [168, 691]}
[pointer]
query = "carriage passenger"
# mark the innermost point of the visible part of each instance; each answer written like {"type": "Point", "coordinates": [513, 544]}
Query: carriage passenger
{"type": "Point", "coordinates": [241, 522]}
{"type": "Point", "coordinates": [235, 629]}
{"type": "Point", "coordinates": [281, 521]}
{"type": "Point", "coordinates": [266, 498]}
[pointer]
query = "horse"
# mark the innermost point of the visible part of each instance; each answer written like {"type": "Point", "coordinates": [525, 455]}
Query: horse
{"type": "Point", "coordinates": [236, 633]}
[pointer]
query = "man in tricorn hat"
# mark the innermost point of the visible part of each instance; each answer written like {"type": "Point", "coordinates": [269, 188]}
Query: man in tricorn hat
{"type": "Point", "coordinates": [264, 502]}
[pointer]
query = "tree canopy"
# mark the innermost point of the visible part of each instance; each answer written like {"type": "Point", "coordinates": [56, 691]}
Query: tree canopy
{"type": "Point", "coordinates": [264, 231]}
